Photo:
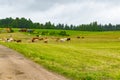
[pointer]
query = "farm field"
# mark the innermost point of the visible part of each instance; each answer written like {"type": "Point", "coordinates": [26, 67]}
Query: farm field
{"type": "Point", "coordinates": [95, 57]}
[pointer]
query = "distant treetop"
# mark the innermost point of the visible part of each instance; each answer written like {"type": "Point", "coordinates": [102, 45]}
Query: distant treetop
{"type": "Point", "coordinates": [27, 23]}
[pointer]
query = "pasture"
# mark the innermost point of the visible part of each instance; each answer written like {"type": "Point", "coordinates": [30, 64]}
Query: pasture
{"type": "Point", "coordinates": [95, 57]}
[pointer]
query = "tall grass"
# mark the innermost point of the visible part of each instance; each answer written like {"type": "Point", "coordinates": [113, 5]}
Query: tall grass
{"type": "Point", "coordinates": [92, 58]}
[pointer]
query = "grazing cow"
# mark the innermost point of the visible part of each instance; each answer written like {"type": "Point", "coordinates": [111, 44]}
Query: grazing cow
{"type": "Point", "coordinates": [30, 30]}
{"type": "Point", "coordinates": [9, 39]}
{"type": "Point", "coordinates": [18, 41]}
{"type": "Point", "coordinates": [23, 30]}
{"type": "Point", "coordinates": [63, 39]}
{"type": "Point", "coordinates": [57, 39]}
{"type": "Point", "coordinates": [40, 38]}
{"type": "Point", "coordinates": [34, 39]}
{"type": "Point", "coordinates": [82, 37]}
{"type": "Point", "coordinates": [78, 37]}
{"type": "Point", "coordinates": [68, 39]}
{"type": "Point", "coordinates": [46, 40]}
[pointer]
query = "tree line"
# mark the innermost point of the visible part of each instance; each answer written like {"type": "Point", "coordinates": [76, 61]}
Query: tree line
{"type": "Point", "coordinates": [27, 23]}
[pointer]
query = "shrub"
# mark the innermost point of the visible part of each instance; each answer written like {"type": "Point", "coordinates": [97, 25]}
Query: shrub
{"type": "Point", "coordinates": [52, 33]}
{"type": "Point", "coordinates": [44, 33]}
{"type": "Point", "coordinates": [63, 33]}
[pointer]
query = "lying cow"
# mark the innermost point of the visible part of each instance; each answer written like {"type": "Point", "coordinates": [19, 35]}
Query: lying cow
{"type": "Point", "coordinates": [65, 39]}
{"type": "Point", "coordinates": [18, 41]}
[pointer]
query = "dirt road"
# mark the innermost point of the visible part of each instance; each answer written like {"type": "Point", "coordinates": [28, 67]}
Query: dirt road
{"type": "Point", "coordinates": [14, 66]}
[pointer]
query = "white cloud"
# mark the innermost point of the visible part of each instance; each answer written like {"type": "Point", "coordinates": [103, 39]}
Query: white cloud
{"type": "Point", "coordinates": [59, 11]}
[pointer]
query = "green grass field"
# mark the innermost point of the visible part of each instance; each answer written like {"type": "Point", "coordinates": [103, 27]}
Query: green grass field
{"type": "Point", "coordinates": [96, 57]}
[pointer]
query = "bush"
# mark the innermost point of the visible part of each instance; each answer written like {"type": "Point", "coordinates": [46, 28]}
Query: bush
{"type": "Point", "coordinates": [52, 33]}
{"type": "Point", "coordinates": [44, 33]}
{"type": "Point", "coordinates": [63, 33]}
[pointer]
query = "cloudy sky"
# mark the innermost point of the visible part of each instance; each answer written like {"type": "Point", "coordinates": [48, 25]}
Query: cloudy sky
{"type": "Point", "coordinates": [63, 11]}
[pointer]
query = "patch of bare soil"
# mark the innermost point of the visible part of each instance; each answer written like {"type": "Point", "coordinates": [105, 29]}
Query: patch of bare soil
{"type": "Point", "coordinates": [13, 66]}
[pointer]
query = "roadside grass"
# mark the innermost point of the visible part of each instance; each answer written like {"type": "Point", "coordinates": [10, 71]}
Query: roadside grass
{"type": "Point", "coordinates": [97, 57]}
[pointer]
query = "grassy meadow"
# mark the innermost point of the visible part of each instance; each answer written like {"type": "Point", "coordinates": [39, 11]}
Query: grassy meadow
{"type": "Point", "coordinates": [96, 57]}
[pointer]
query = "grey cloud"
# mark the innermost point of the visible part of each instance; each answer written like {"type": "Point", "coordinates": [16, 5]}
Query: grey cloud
{"type": "Point", "coordinates": [42, 5]}
{"type": "Point", "coordinates": [62, 11]}
{"type": "Point", "coordinates": [46, 4]}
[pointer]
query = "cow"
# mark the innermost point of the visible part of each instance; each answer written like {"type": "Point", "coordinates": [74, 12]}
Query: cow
{"type": "Point", "coordinates": [68, 39]}
{"type": "Point", "coordinates": [33, 39]}
{"type": "Point", "coordinates": [82, 37]}
{"type": "Point", "coordinates": [46, 40]}
{"type": "Point", "coordinates": [18, 41]}
{"type": "Point", "coordinates": [78, 37]}
{"type": "Point", "coordinates": [63, 39]}
{"type": "Point", "coordinates": [57, 39]}
{"type": "Point", "coordinates": [36, 39]}
{"type": "Point", "coordinates": [30, 30]}
{"type": "Point", "coordinates": [23, 30]}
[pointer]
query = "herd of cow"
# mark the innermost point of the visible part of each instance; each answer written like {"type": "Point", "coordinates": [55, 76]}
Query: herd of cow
{"type": "Point", "coordinates": [37, 38]}
{"type": "Point", "coordinates": [46, 39]}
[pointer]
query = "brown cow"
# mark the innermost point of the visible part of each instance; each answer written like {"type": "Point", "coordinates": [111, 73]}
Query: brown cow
{"type": "Point", "coordinates": [78, 37]}
{"type": "Point", "coordinates": [36, 38]}
{"type": "Point", "coordinates": [33, 39]}
{"type": "Point", "coordinates": [46, 40]}
{"type": "Point", "coordinates": [18, 41]}
{"type": "Point", "coordinates": [68, 39]}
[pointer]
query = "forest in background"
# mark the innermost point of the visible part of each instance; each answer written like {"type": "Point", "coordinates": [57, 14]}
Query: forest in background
{"type": "Point", "coordinates": [29, 24]}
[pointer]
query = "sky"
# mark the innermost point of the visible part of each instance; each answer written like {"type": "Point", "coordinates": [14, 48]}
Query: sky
{"type": "Point", "coordinates": [63, 11]}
